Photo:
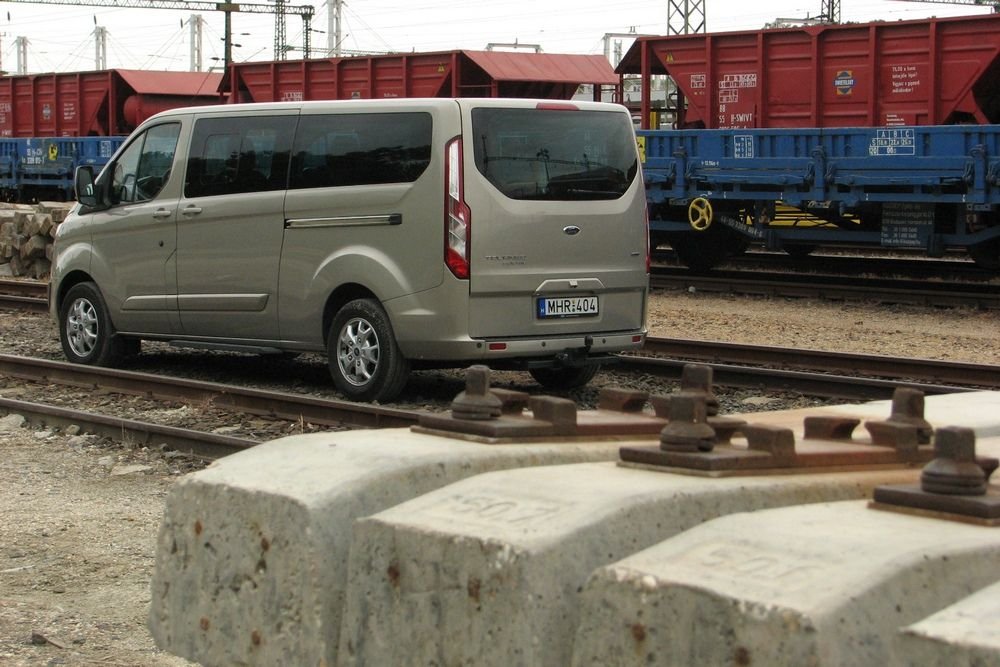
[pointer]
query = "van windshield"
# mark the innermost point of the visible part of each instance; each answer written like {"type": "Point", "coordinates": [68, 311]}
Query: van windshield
{"type": "Point", "coordinates": [554, 154]}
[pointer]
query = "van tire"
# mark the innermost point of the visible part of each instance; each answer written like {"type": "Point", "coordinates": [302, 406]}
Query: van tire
{"type": "Point", "coordinates": [85, 329]}
{"type": "Point", "coordinates": [564, 378]}
{"type": "Point", "coordinates": [365, 361]}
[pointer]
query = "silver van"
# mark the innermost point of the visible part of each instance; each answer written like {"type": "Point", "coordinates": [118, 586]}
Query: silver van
{"type": "Point", "coordinates": [390, 234]}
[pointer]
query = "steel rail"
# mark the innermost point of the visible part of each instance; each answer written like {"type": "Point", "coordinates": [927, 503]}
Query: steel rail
{"type": "Point", "coordinates": [768, 379]}
{"type": "Point", "coordinates": [278, 405]}
{"type": "Point", "coordinates": [24, 295]}
{"type": "Point", "coordinates": [838, 288]}
{"type": "Point", "coordinates": [31, 288]}
{"type": "Point", "coordinates": [898, 368]}
{"type": "Point", "coordinates": [198, 443]}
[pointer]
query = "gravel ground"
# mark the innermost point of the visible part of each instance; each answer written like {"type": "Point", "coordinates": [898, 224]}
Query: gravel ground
{"type": "Point", "coordinates": [78, 515]}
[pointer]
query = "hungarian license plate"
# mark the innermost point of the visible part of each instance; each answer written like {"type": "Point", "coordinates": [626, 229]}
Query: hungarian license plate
{"type": "Point", "coordinates": [563, 306]}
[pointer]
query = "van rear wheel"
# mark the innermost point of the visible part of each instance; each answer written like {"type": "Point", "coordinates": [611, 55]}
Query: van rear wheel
{"type": "Point", "coordinates": [564, 378]}
{"type": "Point", "coordinates": [365, 361]}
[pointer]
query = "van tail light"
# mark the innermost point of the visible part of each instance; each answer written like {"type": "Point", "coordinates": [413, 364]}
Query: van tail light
{"type": "Point", "coordinates": [457, 216]}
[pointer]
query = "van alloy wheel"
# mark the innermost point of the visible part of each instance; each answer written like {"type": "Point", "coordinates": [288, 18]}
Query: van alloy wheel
{"type": "Point", "coordinates": [365, 361]}
{"type": "Point", "coordinates": [358, 352]}
{"type": "Point", "coordinates": [82, 327]}
{"type": "Point", "coordinates": [86, 331]}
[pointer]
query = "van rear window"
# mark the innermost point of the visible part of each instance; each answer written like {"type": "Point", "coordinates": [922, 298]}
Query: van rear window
{"type": "Point", "coordinates": [557, 155]}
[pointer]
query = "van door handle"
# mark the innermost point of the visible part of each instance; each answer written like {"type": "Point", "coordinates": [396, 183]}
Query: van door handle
{"type": "Point", "coordinates": [161, 213]}
{"type": "Point", "coordinates": [191, 210]}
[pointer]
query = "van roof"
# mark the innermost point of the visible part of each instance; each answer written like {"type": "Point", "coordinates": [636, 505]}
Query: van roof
{"type": "Point", "coordinates": [391, 104]}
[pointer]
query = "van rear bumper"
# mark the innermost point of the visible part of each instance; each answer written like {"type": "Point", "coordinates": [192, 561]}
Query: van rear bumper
{"type": "Point", "coordinates": [561, 351]}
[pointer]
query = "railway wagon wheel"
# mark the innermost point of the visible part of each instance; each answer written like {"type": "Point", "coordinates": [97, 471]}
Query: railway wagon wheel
{"type": "Point", "coordinates": [986, 254]}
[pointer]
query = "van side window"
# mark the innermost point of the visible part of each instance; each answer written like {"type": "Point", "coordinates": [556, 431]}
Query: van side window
{"type": "Point", "coordinates": [335, 150]}
{"type": "Point", "coordinates": [238, 154]}
{"type": "Point", "coordinates": [144, 167]}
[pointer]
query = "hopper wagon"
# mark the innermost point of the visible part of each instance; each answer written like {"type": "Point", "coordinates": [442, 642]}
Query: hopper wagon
{"type": "Point", "coordinates": [440, 74]}
{"type": "Point", "coordinates": [879, 134]}
{"type": "Point", "coordinates": [52, 123]}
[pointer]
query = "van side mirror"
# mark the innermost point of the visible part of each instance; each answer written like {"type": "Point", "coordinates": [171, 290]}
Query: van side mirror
{"type": "Point", "coordinates": [86, 194]}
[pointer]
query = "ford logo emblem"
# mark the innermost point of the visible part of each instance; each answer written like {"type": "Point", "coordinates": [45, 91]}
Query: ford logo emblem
{"type": "Point", "coordinates": [572, 230]}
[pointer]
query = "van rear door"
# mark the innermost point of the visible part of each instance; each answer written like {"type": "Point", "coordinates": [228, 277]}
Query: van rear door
{"type": "Point", "coordinates": [557, 219]}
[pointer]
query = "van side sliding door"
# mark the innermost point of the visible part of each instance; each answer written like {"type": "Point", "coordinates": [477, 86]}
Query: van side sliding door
{"type": "Point", "coordinates": [230, 225]}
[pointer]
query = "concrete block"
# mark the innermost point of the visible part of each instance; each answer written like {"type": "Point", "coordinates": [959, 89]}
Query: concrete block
{"type": "Point", "coordinates": [487, 571]}
{"type": "Point", "coordinates": [823, 584]}
{"type": "Point", "coordinates": [252, 552]}
{"type": "Point", "coordinates": [966, 633]}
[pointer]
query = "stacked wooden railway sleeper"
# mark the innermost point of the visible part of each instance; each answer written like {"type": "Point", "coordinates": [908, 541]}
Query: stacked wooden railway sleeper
{"type": "Point", "coordinates": [26, 234]}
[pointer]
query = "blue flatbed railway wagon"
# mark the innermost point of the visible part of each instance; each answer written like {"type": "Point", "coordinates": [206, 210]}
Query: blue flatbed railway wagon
{"type": "Point", "coordinates": [712, 193]}
{"type": "Point", "coordinates": [42, 168]}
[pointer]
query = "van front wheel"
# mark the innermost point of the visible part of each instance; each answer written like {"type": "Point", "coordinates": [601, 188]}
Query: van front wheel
{"type": "Point", "coordinates": [85, 328]}
{"type": "Point", "coordinates": [564, 378]}
{"type": "Point", "coordinates": [364, 359]}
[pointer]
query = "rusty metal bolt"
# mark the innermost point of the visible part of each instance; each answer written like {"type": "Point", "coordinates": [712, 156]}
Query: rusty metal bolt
{"type": "Point", "coordinates": [476, 402]}
{"type": "Point", "coordinates": [954, 471]}
{"type": "Point", "coordinates": [908, 408]}
{"type": "Point", "coordinates": [698, 377]}
{"type": "Point", "coordinates": [687, 429]}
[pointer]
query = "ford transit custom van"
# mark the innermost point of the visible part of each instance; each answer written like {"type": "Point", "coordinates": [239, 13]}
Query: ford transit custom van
{"type": "Point", "coordinates": [389, 234]}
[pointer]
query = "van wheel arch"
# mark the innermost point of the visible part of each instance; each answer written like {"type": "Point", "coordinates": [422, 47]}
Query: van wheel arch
{"type": "Point", "coordinates": [338, 299]}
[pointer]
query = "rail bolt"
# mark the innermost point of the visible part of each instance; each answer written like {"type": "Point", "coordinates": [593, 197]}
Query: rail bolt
{"type": "Point", "coordinates": [476, 402]}
{"type": "Point", "coordinates": [908, 408]}
{"type": "Point", "coordinates": [688, 429]}
{"type": "Point", "coordinates": [954, 470]}
{"type": "Point", "coordinates": [698, 377]}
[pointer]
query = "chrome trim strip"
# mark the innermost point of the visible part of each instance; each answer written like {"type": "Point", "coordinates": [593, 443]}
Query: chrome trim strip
{"type": "Point", "coordinates": [344, 221]}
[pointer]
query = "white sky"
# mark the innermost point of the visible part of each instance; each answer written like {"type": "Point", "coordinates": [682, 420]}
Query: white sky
{"type": "Point", "coordinates": [60, 38]}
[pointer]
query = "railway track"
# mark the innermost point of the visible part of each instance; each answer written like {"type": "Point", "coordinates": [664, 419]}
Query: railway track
{"type": "Point", "coordinates": [833, 287]}
{"type": "Point", "coordinates": [24, 295]}
{"type": "Point", "coordinates": [833, 374]}
{"type": "Point", "coordinates": [761, 368]}
{"type": "Point", "coordinates": [275, 405]}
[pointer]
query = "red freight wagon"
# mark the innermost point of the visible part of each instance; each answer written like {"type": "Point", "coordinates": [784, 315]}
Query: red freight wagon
{"type": "Point", "coordinates": [930, 72]}
{"type": "Point", "coordinates": [101, 103]}
{"type": "Point", "coordinates": [444, 74]}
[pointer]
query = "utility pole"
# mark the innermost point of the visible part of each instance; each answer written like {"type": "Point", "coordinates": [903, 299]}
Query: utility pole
{"type": "Point", "coordinates": [100, 47]}
{"type": "Point", "coordinates": [21, 46]}
{"type": "Point", "coordinates": [280, 46]}
{"type": "Point", "coordinates": [685, 17]}
{"type": "Point", "coordinates": [830, 11]}
{"type": "Point", "coordinates": [195, 26]}
{"type": "Point", "coordinates": [334, 27]}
